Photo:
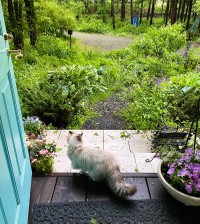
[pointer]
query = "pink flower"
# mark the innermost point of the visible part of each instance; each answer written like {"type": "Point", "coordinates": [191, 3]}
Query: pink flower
{"type": "Point", "coordinates": [33, 161]}
{"type": "Point", "coordinates": [43, 152]}
{"type": "Point", "coordinates": [51, 155]}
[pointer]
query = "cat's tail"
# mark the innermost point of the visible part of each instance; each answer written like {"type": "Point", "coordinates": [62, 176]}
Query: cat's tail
{"type": "Point", "coordinates": [118, 186]}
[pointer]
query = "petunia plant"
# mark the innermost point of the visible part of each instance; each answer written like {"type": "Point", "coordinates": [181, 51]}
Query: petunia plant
{"type": "Point", "coordinates": [41, 155]}
{"type": "Point", "coordinates": [184, 172]}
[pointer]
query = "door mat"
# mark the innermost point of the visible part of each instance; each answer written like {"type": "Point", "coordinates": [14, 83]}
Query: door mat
{"type": "Point", "coordinates": [116, 212]}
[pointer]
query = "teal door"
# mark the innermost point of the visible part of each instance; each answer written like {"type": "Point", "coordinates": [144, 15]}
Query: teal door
{"type": "Point", "coordinates": [15, 170]}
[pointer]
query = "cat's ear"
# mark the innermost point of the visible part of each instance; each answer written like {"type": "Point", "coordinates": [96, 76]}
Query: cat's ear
{"type": "Point", "coordinates": [71, 132]}
{"type": "Point", "coordinates": [79, 137]}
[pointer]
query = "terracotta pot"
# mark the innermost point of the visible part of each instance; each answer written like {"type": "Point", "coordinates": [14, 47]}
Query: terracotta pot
{"type": "Point", "coordinates": [184, 198]}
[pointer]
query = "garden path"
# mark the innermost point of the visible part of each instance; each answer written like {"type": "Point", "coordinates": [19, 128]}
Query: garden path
{"type": "Point", "coordinates": [107, 120]}
{"type": "Point", "coordinates": [103, 42]}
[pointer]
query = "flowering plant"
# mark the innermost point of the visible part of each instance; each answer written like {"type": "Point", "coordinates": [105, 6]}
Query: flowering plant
{"type": "Point", "coordinates": [41, 155]}
{"type": "Point", "coordinates": [182, 170]}
{"type": "Point", "coordinates": [33, 126]}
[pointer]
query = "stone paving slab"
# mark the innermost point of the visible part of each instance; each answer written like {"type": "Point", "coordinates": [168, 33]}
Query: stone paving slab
{"type": "Point", "coordinates": [131, 151]}
{"type": "Point", "coordinates": [146, 167]}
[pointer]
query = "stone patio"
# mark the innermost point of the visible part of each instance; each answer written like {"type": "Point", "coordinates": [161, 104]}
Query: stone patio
{"type": "Point", "coordinates": [131, 151]}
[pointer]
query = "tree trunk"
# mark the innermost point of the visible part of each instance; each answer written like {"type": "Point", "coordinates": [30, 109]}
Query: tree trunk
{"type": "Point", "coordinates": [113, 13]}
{"type": "Point", "coordinates": [173, 11]}
{"type": "Point", "coordinates": [179, 9]}
{"type": "Point", "coordinates": [15, 17]}
{"type": "Point", "coordinates": [95, 5]}
{"type": "Point", "coordinates": [123, 10]}
{"type": "Point", "coordinates": [149, 10]}
{"type": "Point", "coordinates": [186, 12]}
{"type": "Point", "coordinates": [131, 10]}
{"type": "Point", "coordinates": [182, 10]}
{"type": "Point", "coordinates": [31, 19]}
{"type": "Point", "coordinates": [167, 13]}
{"type": "Point", "coordinates": [152, 12]}
{"type": "Point", "coordinates": [163, 2]}
{"type": "Point", "coordinates": [189, 14]}
{"type": "Point", "coordinates": [103, 10]}
{"type": "Point", "coordinates": [141, 12]}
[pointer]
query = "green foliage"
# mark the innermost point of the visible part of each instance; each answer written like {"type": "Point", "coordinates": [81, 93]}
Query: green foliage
{"type": "Point", "coordinates": [197, 7]}
{"type": "Point", "coordinates": [93, 25]}
{"type": "Point", "coordinates": [147, 108]}
{"type": "Point", "coordinates": [182, 96]}
{"type": "Point", "coordinates": [53, 17]}
{"type": "Point", "coordinates": [63, 94]}
{"type": "Point", "coordinates": [152, 56]}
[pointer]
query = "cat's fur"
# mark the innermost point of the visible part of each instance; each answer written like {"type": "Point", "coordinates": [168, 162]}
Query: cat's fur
{"type": "Point", "coordinates": [99, 164]}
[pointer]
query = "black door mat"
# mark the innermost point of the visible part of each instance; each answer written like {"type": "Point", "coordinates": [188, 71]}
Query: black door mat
{"type": "Point", "coordinates": [116, 212]}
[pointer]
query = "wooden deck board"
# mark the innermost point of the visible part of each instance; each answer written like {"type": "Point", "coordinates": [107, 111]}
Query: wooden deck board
{"type": "Point", "coordinates": [46, 191]}
{"type": "Point", "coordinates": [72, 188]}
{"type": "Point", "coordinates": [98, 191]}
{"type": "Point", "coordinates": [157, 191]}
{"type": "Point", "coordinates": [142, 189]}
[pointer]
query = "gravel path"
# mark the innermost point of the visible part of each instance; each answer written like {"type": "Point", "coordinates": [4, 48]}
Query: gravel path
{"type": "Point", "coordinates": [107, 120]}
{"type": "Point", "coordinates": [106, 108]}
{"type": "Point", "coordinates": [103, 42]}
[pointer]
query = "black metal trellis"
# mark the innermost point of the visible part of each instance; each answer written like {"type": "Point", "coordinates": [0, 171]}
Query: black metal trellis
{"type": "Point", "coordinates": [168, 137]}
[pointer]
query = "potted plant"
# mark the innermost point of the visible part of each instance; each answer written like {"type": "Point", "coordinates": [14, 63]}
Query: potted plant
{"type": "Point", "coordinates": [41, 155]}
{"type": "Point", "coordinates": [179, 172]}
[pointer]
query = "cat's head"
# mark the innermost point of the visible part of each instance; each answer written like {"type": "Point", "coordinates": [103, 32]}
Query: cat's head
{"type": "Point", "coordinates": [74, 138]}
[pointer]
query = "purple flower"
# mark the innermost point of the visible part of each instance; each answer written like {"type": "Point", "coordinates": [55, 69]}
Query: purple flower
{"type": "Point", "coordinates": [188, 188]}
{"type": "Point", "coordinates": [171, 170]}
{"type": "Point", "coordinates": [184, 172]}
{"type": "Point", "coordinates": [196, 177]}
{"type": "Point", "coordinates": [188, 152]}
{"type": "Point", "coordinates": [181, 160]}
{"type": "Point", "coordinates": [198, 154]}
{"type": "Point", "coordinates": [198, 186]}
{"type": "Point", "coordinates": [195, 167]}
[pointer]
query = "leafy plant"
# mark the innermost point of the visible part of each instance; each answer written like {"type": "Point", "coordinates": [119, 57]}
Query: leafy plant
{"type": "Point", "coordinates": [33, 126]}
{"type": "Point", "coordinates": [53, 17]}
{"type": "Point", "coordinates": [41, 155]}
{"type": "Point", "coordinates": [63, 94]}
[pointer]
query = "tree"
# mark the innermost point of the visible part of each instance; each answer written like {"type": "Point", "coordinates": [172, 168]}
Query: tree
{"type": "Point", "coordinates": [123, 10]}
{"type": "Point", "coordinates": [167, 13]}
{"type": "Point", "coordinates": [141, 11]}
{"type": "Point", "coordinates": [149, 10]}
{"type": "Point", "coordinates": [162, 7]}
{"type": "Point", "coordinates": [113, 13]}
{"type": "Point", "coordinates": [189, 13]}
{"type": "Point", "coordinates": [182, 10]}
{"type": "Point", "coordinates": [31, 19]}
{"type": "Point", "coordinates": [152, 12]}
{"type": "Point", "coordinates": [15, 17]}
{"type": "Point", "coordinates": [173, 11]}
{"type": "Point", "coordinates": [131, 10]}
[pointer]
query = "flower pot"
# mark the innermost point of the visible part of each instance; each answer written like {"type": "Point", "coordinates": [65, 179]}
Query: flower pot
{"type": "Point", "coordinates": [184, 198]}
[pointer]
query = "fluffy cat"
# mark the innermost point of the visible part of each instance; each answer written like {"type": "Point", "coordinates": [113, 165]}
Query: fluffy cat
{"type": "Point", "coordinates": [99, 164]}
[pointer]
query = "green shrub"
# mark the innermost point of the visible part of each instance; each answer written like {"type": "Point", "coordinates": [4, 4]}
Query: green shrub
{"type": "Point", "coordinates": [182, 93]}
{"type": "Point", "coordinates": [53, 17]}
{"type": "Point", "coordinates": [62, 94]}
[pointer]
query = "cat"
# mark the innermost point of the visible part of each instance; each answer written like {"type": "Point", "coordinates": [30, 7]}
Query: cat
{"type": "Point", "coordinates": [100, 165]}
